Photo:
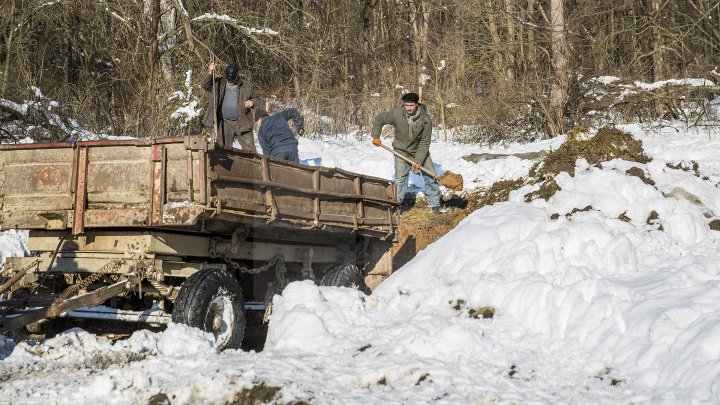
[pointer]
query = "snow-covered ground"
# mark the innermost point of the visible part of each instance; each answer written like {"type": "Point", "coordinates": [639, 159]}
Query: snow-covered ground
{"type": "Point", "coordinates": [588, 308]}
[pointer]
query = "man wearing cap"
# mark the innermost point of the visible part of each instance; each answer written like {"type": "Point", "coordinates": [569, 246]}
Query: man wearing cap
{"type": "Point", "coordinates": [234, 99]}
{"type": "Point", "coordinates": [413, 132]}
{"type": "Point", "coordinates": [276, 138]}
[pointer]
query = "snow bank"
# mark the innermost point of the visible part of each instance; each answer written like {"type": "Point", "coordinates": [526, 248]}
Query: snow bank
{"type": "Point", "coordinates": [636, 300]}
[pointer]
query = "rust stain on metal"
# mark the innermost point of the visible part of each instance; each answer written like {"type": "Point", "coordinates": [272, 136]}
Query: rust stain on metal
{"type": "Point", "coordinates": [80, 192]}
{"type": "Point", "coordinates": [157, 186]}
{"type": "Point", "coordinates": [51, 176]}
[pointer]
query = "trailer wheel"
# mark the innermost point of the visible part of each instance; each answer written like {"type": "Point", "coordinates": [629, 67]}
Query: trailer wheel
{"type": "Point", "coordinates": [342, 275]}
{"type": "Point", "coordinates": [212, 300]}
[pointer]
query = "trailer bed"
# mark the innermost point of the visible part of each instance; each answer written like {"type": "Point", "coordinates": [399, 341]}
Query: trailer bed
{"type": "Point", "coordinates": [185, 184]}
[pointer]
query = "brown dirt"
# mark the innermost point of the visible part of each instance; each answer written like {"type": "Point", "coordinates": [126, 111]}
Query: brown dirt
{"type": "Point", "coordinates": [258, 394]}
{"type": "Point", "coordinates": [607, 144]}
{"type": "Point", "coordinates": [159, 399]}
{"type": "Point", "coordinates": [623, 217]}
{"type": "Point", "coordinates": [451, 180]}
{"type": "Point", "coordinates": [418, 228]}
{"type": "Point", "coordinates": [484, 312]}
{"type": "Point", "coordinates": [688, 166]}
{"type": "Point", "coordinates": [500, 191]}
{"type": "Point", "coordinates": [638, 172]}
{"type": "Point", "coordinates": [715, 224]}
{"type": "Point", "coordinates": [547, 189]}
{"type": "Point", "coordinates": [654, 219]}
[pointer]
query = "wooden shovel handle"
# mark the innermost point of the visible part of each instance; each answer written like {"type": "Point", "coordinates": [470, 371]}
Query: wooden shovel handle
{"type": "Point", "coordinates": [215, 120]}
{"type": "Point", "coordinates": [412, 162]}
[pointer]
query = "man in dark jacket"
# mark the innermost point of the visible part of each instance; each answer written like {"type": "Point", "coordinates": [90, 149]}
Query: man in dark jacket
{"type": "Point", "coordinates": [413, 132]}
{"type": "Point", "coordinates": [276, 138]}
{"type": "Point", "coordinates": [234, 99]}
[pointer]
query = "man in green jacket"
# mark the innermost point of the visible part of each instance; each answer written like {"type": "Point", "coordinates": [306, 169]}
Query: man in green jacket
{"type": "Point", "coordinates": [413, 132]}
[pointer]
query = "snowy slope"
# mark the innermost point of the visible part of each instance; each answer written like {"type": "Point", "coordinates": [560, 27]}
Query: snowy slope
{"type": "Point", "coordinates": [588, 308]}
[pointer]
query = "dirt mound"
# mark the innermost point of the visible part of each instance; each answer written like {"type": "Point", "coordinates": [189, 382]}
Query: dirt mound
{"type": "Point", "coordinates": [499, 191]}
{"type": "Point", "coordinates": [607, 144]}
{"type": "Point", "coordinates": [418, 228]}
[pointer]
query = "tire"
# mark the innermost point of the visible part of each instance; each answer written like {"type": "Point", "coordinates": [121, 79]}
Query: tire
{"type": "Point", "coordinates": [343, 275]}
{"type": "Point", "coordinates": [212, 300]}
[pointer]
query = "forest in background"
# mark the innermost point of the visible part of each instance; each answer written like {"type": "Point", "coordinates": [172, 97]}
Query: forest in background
{"type": "Point", "coordinates": [501, 69]}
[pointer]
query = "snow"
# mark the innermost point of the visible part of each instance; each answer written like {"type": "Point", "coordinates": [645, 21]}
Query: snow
{"type": "Point", "coordinates": [227, 18]}
{"type": "Point", "coordinates": [675, 82]}
{"type": "Point", "coordinates": [588, 308]}
{"type": "Point", "coordinates": [606, 79]}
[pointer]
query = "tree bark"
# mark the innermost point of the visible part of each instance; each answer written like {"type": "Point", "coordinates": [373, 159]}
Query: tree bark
{"type": "Point", "coordinates": [657, 42]}
{"type": "Point", "coordinates": [560, 62]}
{"type": "Point", "coordinates": [511, 40]}
{"type": "Point", "coordinates": [8, 47]}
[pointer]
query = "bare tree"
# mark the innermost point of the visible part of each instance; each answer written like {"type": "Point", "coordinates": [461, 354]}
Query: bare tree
{"type": "Point", "coordinates": [561, 67]}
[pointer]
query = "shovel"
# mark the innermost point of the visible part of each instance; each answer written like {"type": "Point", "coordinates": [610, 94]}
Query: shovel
{"type": "Point", "coordinates": [448, 179]}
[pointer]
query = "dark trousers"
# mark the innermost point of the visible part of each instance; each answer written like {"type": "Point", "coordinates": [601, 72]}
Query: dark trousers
{"type": "Point", "coordinates": [287, 154]}
{"type": "Point", "coordinates": [231, 129]}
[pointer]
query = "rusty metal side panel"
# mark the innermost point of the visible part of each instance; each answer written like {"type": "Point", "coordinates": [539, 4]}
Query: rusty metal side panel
{"type": "Point", "coordinates": [315, 196]}
{"type": "Point", "coordinates": [244, 197]}
{"type": "Point", "coordinates": [145, 184]}
{"type": "Point", "coordinates": [183, 168]}
{"type": "Point", "coordinates": [118, 176]}
{"type": "Point", "coordinates": [36, 180]}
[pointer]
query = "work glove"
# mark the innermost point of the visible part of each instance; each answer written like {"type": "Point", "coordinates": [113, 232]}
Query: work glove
{"type": "Point", "coordinates": [415, 169]}
{"type": "Point", "coordinates": [376, 141]}
{"type": "Point", "coordinates": [301, 131]}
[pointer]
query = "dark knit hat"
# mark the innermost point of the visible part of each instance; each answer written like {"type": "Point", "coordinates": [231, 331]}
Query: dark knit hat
{"type": "Point", "coordinates": [260, 113]}
{"type": "Point", "coordinates": [232, 72]}
{"type": "Point", "coordinates": [410, 98]}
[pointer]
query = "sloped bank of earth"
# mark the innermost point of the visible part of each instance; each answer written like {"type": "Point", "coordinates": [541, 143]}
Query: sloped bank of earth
{"type": "Point", "coordinates": [418, 228]}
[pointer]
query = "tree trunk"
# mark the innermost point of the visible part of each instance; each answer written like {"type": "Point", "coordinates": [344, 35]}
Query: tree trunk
{"type": "Point", "coordinates": [168, 23]}
{"type": "Point", "coordinates": [531, 46]}
{"type": "Point", "coordinates": [511, 40]}
{"type": "Point", "coordinates": [497, 42]}
{"type": "Point", "coordinates": [153, 34]}
{"type": "Point", "coordinates": [657, 43]}
{"type": "Point", "coordinates": [8, 47]}
{"type": "Point", "coordinates": [424, 29]}
{"type": "Point", "coordinates": [560, 62]}
{"type": "Point", "coordinates": [367, 16]}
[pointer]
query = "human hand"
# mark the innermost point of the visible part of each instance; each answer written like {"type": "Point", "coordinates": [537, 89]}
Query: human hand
{"type": "Point", "coordinates": [376, 141]}
{"type": "Point", "coordinates": [248, 104]}
{"type": "Point", "coordinates": [212, 67]}
{"type": "Point", "coordinates": [301, 132]}
{"type": "Point", "coordinates": [415, 169]}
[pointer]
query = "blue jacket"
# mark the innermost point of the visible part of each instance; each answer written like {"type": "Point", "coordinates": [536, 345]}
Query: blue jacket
{"type": "Point", "coordinates": [274, 133]}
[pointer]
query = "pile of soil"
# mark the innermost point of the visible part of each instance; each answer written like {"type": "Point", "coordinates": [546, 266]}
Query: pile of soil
{"type": "Point", "coordinates": [607, 144]}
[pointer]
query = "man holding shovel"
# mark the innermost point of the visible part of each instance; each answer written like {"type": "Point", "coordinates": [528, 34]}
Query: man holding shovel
{"type": "Point", "coordinates": [229, 105]}
{"type": "Point", "coordinates": [413, 131]}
